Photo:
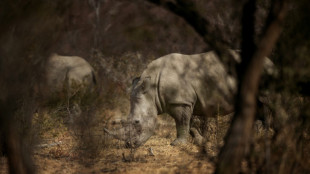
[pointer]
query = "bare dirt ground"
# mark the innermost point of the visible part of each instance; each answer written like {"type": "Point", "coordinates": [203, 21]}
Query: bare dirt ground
{"type": "Point", "coordinates": [61, 155]}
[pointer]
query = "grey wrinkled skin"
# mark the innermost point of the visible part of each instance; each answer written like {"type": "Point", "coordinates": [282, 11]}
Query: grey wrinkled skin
{"type": "Point", "coordinates": [182, 86]}
{"type": "Point", "coordinates": [71, 73]}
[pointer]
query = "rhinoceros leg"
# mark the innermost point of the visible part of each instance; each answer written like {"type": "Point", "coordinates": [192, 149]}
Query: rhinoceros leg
{"type": "Point", "coordinates": [181, 115]}
{"type": "Point", "coordinates": [198, 139]}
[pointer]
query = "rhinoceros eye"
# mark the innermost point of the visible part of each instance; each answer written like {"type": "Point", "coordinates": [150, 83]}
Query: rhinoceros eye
{"type": "Point", "coordinates": [137, 98]}
{"type": "Point", "coordinates": [137, 121]}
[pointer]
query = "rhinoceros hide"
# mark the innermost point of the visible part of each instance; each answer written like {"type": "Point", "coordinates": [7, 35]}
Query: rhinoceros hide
{"type": "Point", "coordinates": [72, 74]}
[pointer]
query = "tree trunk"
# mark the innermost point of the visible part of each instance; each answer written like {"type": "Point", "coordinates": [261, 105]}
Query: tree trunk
{"type": "Point", "coordinates": [240, 132]}
{"type": "Point", "coordinates": [16, 156]}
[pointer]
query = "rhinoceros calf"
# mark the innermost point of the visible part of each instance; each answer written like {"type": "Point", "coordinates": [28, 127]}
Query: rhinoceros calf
{"type": "Point", "coordinates": [69, 73]}
{"type": "Point", "coordinates": [182, 86]}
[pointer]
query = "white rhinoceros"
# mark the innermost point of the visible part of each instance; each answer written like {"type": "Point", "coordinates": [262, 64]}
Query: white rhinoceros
{"type": "Point", "coordinates": [69, 73]}
{"type": "Point", "coordinates": [182, 86]}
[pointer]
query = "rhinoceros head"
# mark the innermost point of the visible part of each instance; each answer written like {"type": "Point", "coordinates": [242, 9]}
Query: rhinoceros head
{"type": "Point", "coordinates": [141, 121]}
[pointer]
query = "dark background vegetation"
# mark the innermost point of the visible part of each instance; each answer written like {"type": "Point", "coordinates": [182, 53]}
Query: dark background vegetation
{"type": "Point", "coordinates": [119, 38]}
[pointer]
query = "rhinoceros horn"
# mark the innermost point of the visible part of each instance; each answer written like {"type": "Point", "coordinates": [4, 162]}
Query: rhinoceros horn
{"type": "Point", "coordinates": [118, 134]}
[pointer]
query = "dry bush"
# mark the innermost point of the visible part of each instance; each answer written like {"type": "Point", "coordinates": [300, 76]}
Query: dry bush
{"type": "Point", "coordinates": [115, 75]}
{"type": "Point", "coordinates": [282, 147]}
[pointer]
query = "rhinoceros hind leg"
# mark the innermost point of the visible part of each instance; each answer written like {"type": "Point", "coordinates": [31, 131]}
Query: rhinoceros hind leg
{"type": "Point", "coordinates": [198, 139]}
{"type": "Point", "coordinates": [181, 115]}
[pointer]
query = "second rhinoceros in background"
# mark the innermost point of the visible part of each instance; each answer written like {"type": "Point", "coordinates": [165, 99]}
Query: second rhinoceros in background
{"type": "Point", "coordinates": [182, 86]}
{"type": "Point", "coordinates": [71, 74]}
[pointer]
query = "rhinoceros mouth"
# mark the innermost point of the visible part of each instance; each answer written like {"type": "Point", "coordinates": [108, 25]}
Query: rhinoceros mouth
{"type": "Point", "coordinates": [120, 134]}
{"type": "Point", "coordinates": [130, 141]}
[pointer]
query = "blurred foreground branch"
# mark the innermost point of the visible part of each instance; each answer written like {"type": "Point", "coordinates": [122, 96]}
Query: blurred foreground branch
{"type": "Point", "coordinates": [188, 11]}
{"type": "Point", "coordinates": [28, 31]}
{"type": "Point", "coordinates": [209, 33]}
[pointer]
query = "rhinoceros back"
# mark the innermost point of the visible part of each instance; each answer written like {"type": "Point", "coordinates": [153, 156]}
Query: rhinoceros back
{"type": "Point", "coordinates": [67, 72]}
{"type": "Point", "coordinates": [198, 79]}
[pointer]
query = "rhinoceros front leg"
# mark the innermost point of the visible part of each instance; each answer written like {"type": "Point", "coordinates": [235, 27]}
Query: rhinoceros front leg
{"type": "Point", "coordinates": [181, 115]}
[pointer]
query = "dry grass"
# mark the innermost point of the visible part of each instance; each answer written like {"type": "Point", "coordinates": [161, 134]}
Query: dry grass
{"type": "Point", "coordinates": [62, 153]}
